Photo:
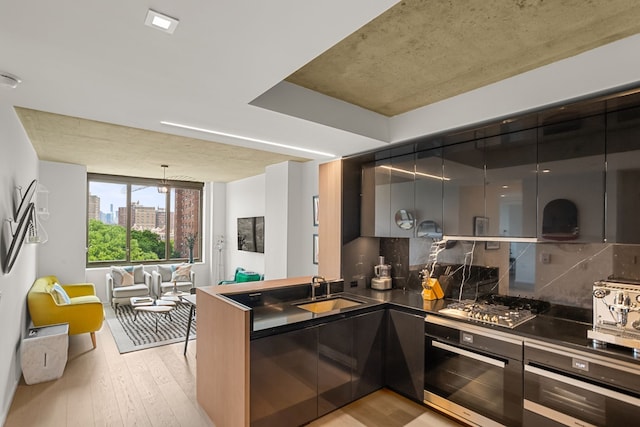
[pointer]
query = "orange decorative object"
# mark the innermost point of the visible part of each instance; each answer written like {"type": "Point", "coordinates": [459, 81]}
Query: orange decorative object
{"type": "Point", "coordinates": [431, 289]}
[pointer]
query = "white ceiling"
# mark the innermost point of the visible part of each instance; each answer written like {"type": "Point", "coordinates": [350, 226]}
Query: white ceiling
{"type": "Point", "coordinates": [96, 60]}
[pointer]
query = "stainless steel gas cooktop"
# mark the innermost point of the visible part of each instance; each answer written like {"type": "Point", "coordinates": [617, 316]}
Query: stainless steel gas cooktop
{"type": "Point", "coordinates": [500, 310]}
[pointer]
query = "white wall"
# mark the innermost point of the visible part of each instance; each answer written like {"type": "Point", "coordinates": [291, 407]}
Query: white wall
{"type": "Point", "coordinates": [244, 198]}
{"type": "Point", "coordinates": [18, 167]}
{"type": "Point", "coordinates": [64, 255]}
{"type": "Point", "coordinates": [284, 196]}
{"type": "Point", "coordinates": [301, 238]}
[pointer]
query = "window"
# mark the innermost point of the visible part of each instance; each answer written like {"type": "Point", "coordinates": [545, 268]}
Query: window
{"type": "Point", "coordinates": [130, 221]}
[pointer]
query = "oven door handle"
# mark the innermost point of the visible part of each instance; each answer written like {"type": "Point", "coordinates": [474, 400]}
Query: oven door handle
{"type": "Point", "coordinates": [583, 385]}
{"type": "Point", "coordinates": [469, 354]}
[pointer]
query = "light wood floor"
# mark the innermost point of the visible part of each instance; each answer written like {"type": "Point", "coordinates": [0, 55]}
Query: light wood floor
{"type": "Point", "coordinates": [156, 387]}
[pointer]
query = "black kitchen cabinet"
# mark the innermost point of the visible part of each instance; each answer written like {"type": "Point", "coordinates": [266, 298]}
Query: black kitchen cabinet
{"type": "Point", "coordinates": [368, 341]}
{"type": "Point", "coordinates": [464, 200]}
{"type": "Point", "coordinates": [375, 219]}
{"type": "Point", "coordinates": [335, 363]}
{"type": "Point", "coordinates": [428, 190]}
{"type": "Point", "coordinates": [402, 197]}
{"type": "Point", "coordinates": [301, 375]}
{"type": "Point", "coordinates": [284, 379]}
{"type": "Point", "coordinates": [571, 177]}
{"type": "Point", "coordinates": [388, 189]}
{"type": "Point", "coordinates": [623, 176]}
{"type": "Point", "coordinates": [511, 184]}
{"type": "Point", "coordinates": [404, 354]}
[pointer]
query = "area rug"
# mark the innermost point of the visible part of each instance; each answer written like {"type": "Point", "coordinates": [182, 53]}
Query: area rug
{"type": "Point", "coordinates": [131, 335]}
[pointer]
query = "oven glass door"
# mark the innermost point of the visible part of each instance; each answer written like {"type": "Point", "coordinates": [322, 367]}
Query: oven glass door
{"type": "Point", "coordinates": [569, 401]}
{"type": "Point", "coordinates": [487, 385]}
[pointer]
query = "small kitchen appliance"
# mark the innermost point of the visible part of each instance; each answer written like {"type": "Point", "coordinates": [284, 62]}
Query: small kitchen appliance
{"type": "Point", "coordinates": [382, 281]}
{"type": "Point", "coordinates": [616, 314]}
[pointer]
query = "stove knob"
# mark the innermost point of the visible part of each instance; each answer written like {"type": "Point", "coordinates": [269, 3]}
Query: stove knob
{"type": "Point", "coordinates": [486, 318]}
{"type": "Point", "coordinates": [494, 318]}
{"type": "Point", "coordinates": [638, 298]}
{"type": "Point", "coordinates": [478, 315]}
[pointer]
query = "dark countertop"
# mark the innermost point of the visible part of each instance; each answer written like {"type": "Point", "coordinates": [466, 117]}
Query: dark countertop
{"type": "Point", "coordinates": [550, 328]}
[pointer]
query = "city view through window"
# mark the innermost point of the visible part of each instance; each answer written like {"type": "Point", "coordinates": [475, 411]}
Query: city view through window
{"type": "Point", "coordinates": [131, 221]}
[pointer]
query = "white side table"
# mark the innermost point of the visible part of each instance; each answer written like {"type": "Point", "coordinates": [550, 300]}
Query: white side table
{"type": "Point", "coordinates": [44, 353]}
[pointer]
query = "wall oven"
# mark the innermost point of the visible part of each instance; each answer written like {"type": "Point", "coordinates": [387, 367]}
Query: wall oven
{"type": "Point", "coordinates": [473, 373]}
{"type": "Point", "coordinates": [574, 388]}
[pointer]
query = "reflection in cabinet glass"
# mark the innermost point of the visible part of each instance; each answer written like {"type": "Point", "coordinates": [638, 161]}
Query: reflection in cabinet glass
{"type": "Point", "coordinates": [571, 165]}
{"type": "Point", "coordinates": [623, 176]}
{"type": "Point", "coordinates": [428, 194]}
{"type": "Point", "coordinates": [510, 186]}
{"type": "Point", "coordinates": [402, 194]}
{"type": "Point", "coordinates": [463, 170]}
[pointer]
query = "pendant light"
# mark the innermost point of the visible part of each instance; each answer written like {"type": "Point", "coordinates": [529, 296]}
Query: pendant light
{"type": "Point", "coordinates": [163, 187]}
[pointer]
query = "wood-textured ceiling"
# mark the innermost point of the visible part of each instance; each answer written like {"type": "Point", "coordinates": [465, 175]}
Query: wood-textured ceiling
{"type": "Point", "coordinates": [422, 51]}
{"type": "Point", "coordinates": [121, 150]}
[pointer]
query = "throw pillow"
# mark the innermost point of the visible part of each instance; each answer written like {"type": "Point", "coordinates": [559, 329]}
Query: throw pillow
{"type": "Point", "coordinates": [121, 277]}
{"type": "Point", "coordinates": [138, 274]}
{"type": "Point", "coordinates": [60, 295]}
{"type": "Point", "coordinates": [165, 272]}
{"type": "Point", "coordinates": [182, 273]}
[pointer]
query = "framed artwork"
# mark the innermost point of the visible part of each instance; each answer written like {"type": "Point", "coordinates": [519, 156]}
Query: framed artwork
{"type": "Point", "coordinates": [480, 225]}
{"type": "Point", "coordinates": [251, 234]}
{"type": "Point", "coordinates": [491, 245]}
{"type": "Point", "coordinates": [315, 248]}
{"type": "Point", "coordinates": [315, 210]}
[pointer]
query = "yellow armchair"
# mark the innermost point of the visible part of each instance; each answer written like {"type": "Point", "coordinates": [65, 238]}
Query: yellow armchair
{"type": "Point", "coordinates": [83, 311]}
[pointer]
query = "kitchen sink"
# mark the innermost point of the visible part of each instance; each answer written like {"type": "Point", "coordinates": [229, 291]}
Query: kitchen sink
{"type": "Point", "coordinates": [326, 305]}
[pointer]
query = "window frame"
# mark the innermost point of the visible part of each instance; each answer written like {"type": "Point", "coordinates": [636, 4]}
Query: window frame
{"type": "Point", "coordinates": [130, 181]}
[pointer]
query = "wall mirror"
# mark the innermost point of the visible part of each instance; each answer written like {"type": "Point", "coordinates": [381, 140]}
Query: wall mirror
{"type": "Point", "coordinates": [404, 219]}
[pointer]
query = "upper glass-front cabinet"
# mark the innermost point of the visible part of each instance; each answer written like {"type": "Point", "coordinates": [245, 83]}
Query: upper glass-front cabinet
{"type": "Point", "coordinates": [623, 176]}
{"type": "Point", "coordinates": [402, 214]}
{"type": "Point", "coordinates": [510, 184]}
{"type": "Point", "coordinates": [571, 177]}
{"type": "Point", "coordinates": [388, 198]}
{"type": "Point", "coordinates": [463, 179]}
{"type": "Point", "coordinates": [428, 194]}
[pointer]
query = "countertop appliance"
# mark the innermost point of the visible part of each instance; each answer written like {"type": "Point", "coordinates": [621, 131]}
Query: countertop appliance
{"type": "Point", "coordinates": [574, 388]}
{"type": "Point", "coordinates": [473, 373]}
{"type": "Point", "coordinates": [616, 315]}
{"type": "Point", "coordinates": [501, 310]}
{"type": "Point", "coordinates": [382, 281]}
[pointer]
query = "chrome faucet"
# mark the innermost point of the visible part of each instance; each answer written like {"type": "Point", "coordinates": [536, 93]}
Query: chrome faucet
{"type": "Point", "coordinates": [315, 283]}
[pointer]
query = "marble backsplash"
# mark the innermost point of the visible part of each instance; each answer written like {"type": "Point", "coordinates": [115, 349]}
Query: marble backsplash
{"type": "Point", "coordinates": [561, 273]}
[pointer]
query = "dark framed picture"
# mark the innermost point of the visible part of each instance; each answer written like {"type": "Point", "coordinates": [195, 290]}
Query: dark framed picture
{"type": "Point", "coordinates": [315, 248]}
{"type": "Point", "coordinates": [480, 225]}
{"type": "Point", "coordinates": [315, 210]}
{"type": "Point", "coordinates": [491, 245]}
{"type": "Point", "coordinates": [251, 234]}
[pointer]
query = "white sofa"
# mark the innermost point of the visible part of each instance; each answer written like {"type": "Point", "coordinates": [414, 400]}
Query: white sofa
{"type": "Point", "coordinates": [163, 276]}
{"type": "Point", "coordinates": [119, 286]}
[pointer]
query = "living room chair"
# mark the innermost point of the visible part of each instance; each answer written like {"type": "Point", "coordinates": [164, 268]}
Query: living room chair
{"type": "Point", "coordinates": [241, 276]}
{"type": "Point", "coordinates": [51, 303]}
{"type": "Point", "coordinates": [123, 283]}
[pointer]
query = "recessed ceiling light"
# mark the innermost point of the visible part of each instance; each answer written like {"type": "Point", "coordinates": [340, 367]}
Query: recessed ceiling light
{"type": "Point", "coordinates": [246, 138]}
{"type": "Point", "coordinates": [160, 21]}
{"type": "Point", "coordinates": [9, 80]}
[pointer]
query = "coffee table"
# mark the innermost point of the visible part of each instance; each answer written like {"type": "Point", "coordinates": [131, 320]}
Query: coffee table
{"type": "Point", "coordinates": [174, 296]}
{"type": "Point", "coordinates": [156, 307]}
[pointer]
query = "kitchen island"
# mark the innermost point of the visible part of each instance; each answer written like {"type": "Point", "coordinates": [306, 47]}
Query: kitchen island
{"type": "Point", "coordinates": [235, 320]}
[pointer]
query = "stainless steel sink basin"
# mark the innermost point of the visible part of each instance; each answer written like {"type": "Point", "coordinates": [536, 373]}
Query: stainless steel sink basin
{"type": "Point", "coordinates": [323, 306]}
